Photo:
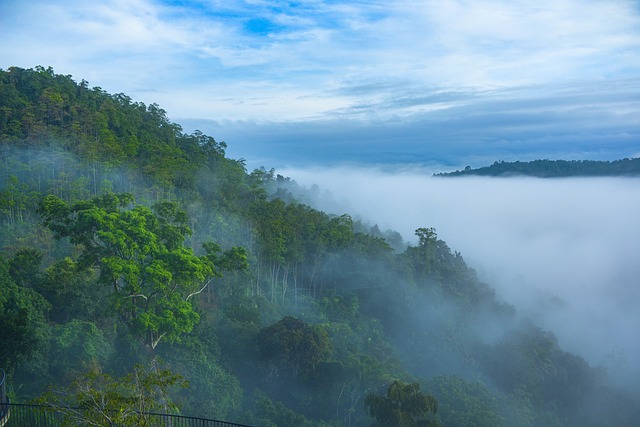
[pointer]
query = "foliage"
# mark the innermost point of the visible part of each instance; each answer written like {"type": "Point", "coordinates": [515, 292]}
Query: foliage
{"type": "Point", "coordinates": [141, 255]}
{"type": "Point", "coordinates": [274, 414]}
{"type": "Point", "coordinates": [72, 292]}
{"type": "Point", "coordinates": [294, 241]}
{"type": "Point", "coordinates": [79, 345]}
{"type": "Point", "coordinates": [293, 347]}
{"type": "Point", "coordinates": [213, 391]}
{"type": "Point", "coordinates": [22, 316]}
{"type": "Point", "coordinates": [530, 364]}
{"type": "Point", "coordinates": [24, 267]}
{"type": "Point", "coordinates": [403, 406]}
{"type": "Point", "coordinates": [555, 168]}
{"type": "Point", "coordinates": [98, 399]}
{"type": "Point", "coordinates": [465, 404]}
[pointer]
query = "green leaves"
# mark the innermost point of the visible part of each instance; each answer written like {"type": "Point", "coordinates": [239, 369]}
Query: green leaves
{"type": "Point", "coordinates": [141, 255]}
{"type": "Point", "coordinates": [403, 406]}
{"type": "Point", "coordinates": [77, 344]}
{"type": "Point", "coordinates": [170, 317]}
{"type": "Point", "coordinates": [466, 404]}
{"type": "Point", "coordinates": [234, 259]}
{"type": "Point", "coordinates": [55, 211]}
{"type": "Point", "coordinates": [98, 399]}
{"type": "Point", "coordinates": [294, 346]}
{"type": "Point", "coordinates": [22, 316]}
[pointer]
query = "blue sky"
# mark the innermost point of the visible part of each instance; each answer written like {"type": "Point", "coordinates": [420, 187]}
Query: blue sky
{"type": "Point", "coordinates": [447, 82]}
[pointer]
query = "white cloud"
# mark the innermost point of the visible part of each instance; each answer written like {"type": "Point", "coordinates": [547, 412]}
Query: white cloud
{"type": "Point", "coordinates": [562, 250]}
{"type": "Point", "coordinates": [321, 45]}
{"type": "Point", "coordinates": [494, 42]}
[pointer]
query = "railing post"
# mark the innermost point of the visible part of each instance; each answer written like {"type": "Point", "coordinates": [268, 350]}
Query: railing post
{"type": "Point", "coordinates": [3, 390]}
{"type": "Point", "coordinates": [4, 402]}
{"type": "Point", "coordinates": [45, 416]}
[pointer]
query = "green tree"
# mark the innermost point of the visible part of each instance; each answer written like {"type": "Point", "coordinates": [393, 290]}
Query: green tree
{"type": "Point", "coordinates": [273, 414]}
{"type": "Point", "coordinates": [426, 250]}
{"type": "Point", "coordinates": [141, 255]}
{"type": "Point", "coordinates": [465, 404]}
{"type": "Point", "coordinates": [15, 198]}
{"type": "Point", "coordinates": [403, 406]}
{"type": "Point", "coordinates": [72, 292]}
{"type": "Point", "coordinates": [97, 399]}
{"type": "Point", "coordinates": [76, 345]}
{"type": "Point", "coordinates": [24, 267]}
{"type": "Point", "coordinates": [293, 347]}
{"type": "Point", "coordinates": [213, 392]}
{"type": "Point", "coordinates": [22, 316]}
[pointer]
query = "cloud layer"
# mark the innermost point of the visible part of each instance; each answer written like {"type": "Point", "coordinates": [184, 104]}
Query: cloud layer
{"type": "Point", "coordinates": [563, 251]}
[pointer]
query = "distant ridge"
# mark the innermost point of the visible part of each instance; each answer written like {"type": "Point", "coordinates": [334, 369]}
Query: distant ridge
{"type": "Point", "coordinates": [554, 168]}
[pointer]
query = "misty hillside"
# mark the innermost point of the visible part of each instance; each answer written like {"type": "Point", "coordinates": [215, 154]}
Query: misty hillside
{"type": "Point", "coordinates": [127, 243]}
{"type": "Point", "coordinates": [554, 168]}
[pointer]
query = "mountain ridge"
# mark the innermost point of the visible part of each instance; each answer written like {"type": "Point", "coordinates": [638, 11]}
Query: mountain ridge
{"type": "Point", "coordinates": [545, 168]}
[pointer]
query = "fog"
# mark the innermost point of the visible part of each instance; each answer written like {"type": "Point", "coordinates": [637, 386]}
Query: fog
{"type": "Point", "coordinates": [564, 252]}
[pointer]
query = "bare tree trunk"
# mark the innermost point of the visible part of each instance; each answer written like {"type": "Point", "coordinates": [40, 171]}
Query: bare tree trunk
{"type": "Point", "coordinates": [285, 280]}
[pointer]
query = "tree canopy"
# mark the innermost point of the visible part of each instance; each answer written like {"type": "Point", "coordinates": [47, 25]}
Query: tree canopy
{"type": "Point", "coordinates": [404, 405]}
{"type": "Point", "coordinates": [544, 168]}
{"type": "Point", "coordinates": [140, 254]}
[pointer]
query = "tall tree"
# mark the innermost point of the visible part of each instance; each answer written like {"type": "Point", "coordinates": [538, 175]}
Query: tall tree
{"type": "Point", "coordinates": [22, 316]}
{"type": "Point", "coordinates": [141, 255]}
{"type": "Point", "coordinates": [97, 399]}
{"type": "Point", "coordinates": [403, 406]}
{"type": "Point", "coordinates": [293, 348]}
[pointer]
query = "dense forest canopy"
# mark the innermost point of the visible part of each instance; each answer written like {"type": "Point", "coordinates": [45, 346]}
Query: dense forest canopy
{"type": "Point", "coordinates": [129, 249]}
{"type": "Point", "coordinates": [554, 168]}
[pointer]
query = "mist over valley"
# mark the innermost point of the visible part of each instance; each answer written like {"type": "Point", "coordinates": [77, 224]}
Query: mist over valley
{"type": "Point", "coordinates": [563, 251]}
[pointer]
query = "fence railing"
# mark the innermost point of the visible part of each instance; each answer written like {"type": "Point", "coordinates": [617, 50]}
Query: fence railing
{"type": "Point", "coordinates": [45, 416]}
{"type": "Point", "coordinates": [4, 401]}
{"type": "Point", "coordinates": [20, 414]}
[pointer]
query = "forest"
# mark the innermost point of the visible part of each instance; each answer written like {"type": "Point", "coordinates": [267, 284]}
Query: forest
{"type": "Point", "coordinates": [139, 260]}
{"type": "Point", "coordinates": [554, 168]}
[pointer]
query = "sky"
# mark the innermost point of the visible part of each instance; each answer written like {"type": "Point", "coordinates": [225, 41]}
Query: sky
{"type": "Point", "coordinates": [286, 84]}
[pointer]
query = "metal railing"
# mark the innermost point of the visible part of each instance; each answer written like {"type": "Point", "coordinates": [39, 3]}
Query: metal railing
{"type": "Point", "coordinates": [45, 416]}
{"type": "Point", "coordinates": [4, 401]}
{"type": "Point", "coordinates": [20, 414]}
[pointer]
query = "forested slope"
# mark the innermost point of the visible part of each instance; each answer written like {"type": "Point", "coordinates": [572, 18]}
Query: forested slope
{"type": "Point", "coordinates": [128, 247]}
{"type": "Point", "coordinates": [554, 168]}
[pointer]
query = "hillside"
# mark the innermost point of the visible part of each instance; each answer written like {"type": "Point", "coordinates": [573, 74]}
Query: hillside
{"type": "Point", "coordinates": [554, 169]}
{"type": "Point", "coordinates": [128, 245]}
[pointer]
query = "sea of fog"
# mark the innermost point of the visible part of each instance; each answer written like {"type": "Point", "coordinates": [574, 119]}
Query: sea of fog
{"type": "Point", "coordinates": [565, 252]}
